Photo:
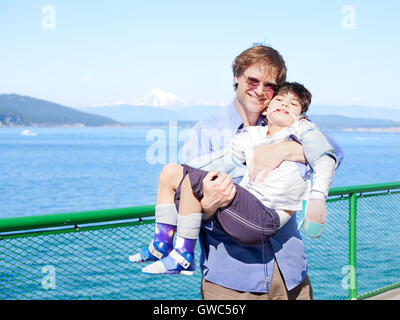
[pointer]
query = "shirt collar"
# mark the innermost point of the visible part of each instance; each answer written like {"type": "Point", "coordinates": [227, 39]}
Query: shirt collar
{"type": "Point", "coordinates": [236, 119]}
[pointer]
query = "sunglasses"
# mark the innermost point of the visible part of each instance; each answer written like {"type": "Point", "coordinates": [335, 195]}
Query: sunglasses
{"type": "Point", "coordinates": [253, 83]}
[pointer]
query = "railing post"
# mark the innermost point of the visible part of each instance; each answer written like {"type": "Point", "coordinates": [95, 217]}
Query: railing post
{"type": "Point", "coordinates": [353, 290]}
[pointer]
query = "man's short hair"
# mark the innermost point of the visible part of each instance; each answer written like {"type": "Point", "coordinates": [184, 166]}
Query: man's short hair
{"type": "Point", "coordinates": [303, 95]}
{"type": "Point", "coordinates": [262, 55]}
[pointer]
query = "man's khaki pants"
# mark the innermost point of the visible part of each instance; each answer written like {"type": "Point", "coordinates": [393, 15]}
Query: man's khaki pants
{"type": "Point", "coordinates": [277, 290]}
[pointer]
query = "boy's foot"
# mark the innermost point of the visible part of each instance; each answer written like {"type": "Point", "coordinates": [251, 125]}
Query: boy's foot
{"type": "Point", "coordinates": [155, 251]}
{"type": "Point", "coordinates": [175, 263]}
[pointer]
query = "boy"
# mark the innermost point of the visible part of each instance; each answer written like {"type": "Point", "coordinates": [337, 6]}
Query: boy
{"type": "Point", "coordinates": [259, 209]}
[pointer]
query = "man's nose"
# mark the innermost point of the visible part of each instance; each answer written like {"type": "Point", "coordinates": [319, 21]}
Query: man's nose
{"type": "Point", "coordinates": [260, 89]}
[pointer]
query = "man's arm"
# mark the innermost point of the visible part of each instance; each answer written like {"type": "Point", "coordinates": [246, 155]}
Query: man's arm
{"type": "Point", "coordinates": [218, 191]}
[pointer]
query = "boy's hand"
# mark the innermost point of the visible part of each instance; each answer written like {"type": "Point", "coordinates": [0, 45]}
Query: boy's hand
{"type": "Point", "coordinates": [268, 157]}
{"type": "Point", "coordinates": [217, 192]}
{"type": "Point", "coordinates": [315, 217]}
{"type": "Point", "coordinates": [265, 159]}
{"type": "Point", "coordinates": [316, 211]}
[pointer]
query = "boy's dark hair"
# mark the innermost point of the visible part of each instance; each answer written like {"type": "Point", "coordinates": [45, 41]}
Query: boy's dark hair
{"type": "Point", "coordinates": [303, 95]}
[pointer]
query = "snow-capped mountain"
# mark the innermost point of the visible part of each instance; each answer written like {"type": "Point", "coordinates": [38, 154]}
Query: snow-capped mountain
{"type": "Point", "coordinates": [158, 98]}
{"type": "Point", "coordinates": [157, 106]}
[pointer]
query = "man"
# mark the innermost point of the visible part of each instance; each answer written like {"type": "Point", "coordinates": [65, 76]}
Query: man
{"type": "Point", "coordinates": [277, 269]}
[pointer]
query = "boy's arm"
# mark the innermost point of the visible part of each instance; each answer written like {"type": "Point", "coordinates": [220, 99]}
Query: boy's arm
{"type": "Point", "coordinates": [312, 144]}
{"type": "Point", "coordinates": [337, 149]}
{"type": "Point", "coordinates": [216, 192]}
{"type": "Point", "coordinates": [196, 144]}
{"type": "Point", "coordinates": [322, 177]}
{"type": "Point", "coordinates": [315, 213]}
{"type": "Point", "coordinates": [315, 144]}
{"type": "Point", "coordinates": [323, 160]}
{"type": "Point", "coordinates": [223, 160]}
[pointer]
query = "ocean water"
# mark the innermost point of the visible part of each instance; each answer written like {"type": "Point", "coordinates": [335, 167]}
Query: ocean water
{"type": "Point", "coordinates": [75, 169]}
{"type": "Point", "coordinates": [60, 170]}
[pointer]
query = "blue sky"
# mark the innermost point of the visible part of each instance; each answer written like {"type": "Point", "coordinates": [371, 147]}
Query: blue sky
{"type": "Point", "coordinates": [101, 52]}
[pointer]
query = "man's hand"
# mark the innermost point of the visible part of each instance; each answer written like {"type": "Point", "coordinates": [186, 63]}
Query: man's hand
{"type": "Point", "coordinates": [217, 192]}
{"type": "Point", "coordinates": [268, 157]}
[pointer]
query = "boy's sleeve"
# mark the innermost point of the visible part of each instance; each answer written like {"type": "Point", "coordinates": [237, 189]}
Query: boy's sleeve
{"type": "Point", "coordinates": [322, 179]}
{"type": "Point", "coordinates": [196, 144]}
{"type": "Point", "coordinates": [315, 211]}
{"type": "Point", "coordinates": [337, 149]}
{"type": "Point", "coordinates": [225, 160]}
{"type": "Point", "coordinates": [315, 143]}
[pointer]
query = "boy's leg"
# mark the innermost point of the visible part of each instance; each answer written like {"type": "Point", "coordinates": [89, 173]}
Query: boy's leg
{"type": "Point", "coordinates": [165, 214]}
{"type": "Point", "coordinates": [188, 202]}
{"type": "Point", "coordinates": [168, 181]}
{"type": "Point", "coordinates": [181, 259]}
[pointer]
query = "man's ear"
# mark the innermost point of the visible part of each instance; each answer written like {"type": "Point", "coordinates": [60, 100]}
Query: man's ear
{"type": "Point", "coordinates": [236, 80]}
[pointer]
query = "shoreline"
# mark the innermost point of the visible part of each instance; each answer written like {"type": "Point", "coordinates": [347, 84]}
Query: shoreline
{"type": "Point", "coordinates": [389, 129]}
{"type": "Point", "coordinates": [183, 124]}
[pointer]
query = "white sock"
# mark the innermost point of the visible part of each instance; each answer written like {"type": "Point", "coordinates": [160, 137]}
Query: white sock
{"type": "Point", "coordinates": [189, 226]}
{"type": "Point", "coordinates": [166, 213]}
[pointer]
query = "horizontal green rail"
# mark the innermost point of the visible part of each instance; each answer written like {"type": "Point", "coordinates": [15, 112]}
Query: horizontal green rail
{"type": "Point", "coordinates": [83, 217]}
{"type": "Point", "coordinates": [337, 191]}
{"type": "Point", "coordinates": [74, 218]}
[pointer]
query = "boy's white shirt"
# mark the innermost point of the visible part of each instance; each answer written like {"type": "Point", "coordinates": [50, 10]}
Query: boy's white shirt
{"type": "Point", "coordinates": [284, 180]}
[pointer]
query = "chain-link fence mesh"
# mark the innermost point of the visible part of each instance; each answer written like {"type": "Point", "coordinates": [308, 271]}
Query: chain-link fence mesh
{"type": "Point", "coordinates": [92, 263]}
{"type": "Point", "coordinates": [328, 256]}
{"type": "Point", "coordinates": [378, 241]}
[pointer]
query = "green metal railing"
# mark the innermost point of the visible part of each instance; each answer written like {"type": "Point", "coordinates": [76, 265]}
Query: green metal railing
{"type": "Point", "coordinates": [354, 193]}
{"type": "Point", "coordinates": [84, 255]}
